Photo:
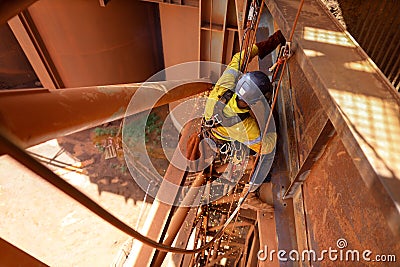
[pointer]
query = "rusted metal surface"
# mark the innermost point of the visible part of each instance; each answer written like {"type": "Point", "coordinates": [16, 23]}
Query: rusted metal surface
{"type": "Point", "coordinates": [156, 222]}
{"type": "Point", "coordinates": [32, 44]}
{"type": "Point", "coordinates": [285, 165]}
{"type": "Point", "coordinates": [12, 256]}
{"type": "Point", "coordinates": [173, 17]}
{"type": "Point", "coordinates": [35, 116]}
{"type": "Point", "coordinates": [300, 223]}
{"type": "Point", "coordinates": [281, 169]}
{"type": "Point", "coordinates": [355, 96]}
{"type": "Point", "coordinates": [90, 45]}
{"type": "Point", "coordinates": [10, 8]}
{"type": "Point", "coordinates": [313, 103]}
{"type": "Point", "coordinates": [374, 24]}
{"type": "Point", "coordinates": [182, 240]}
{"type": "Point", "coordinates": [356, 180]}
{"type": "Point", "coordinates": [16, 70]}
{"type": "Point", "coordinates": [340, 205]}
{"type": "Point", "coordinates": [163, 222]}
{"type": "Point", "coordinates": [314, 154]}
{"type": "Point", "coordinates": [186, 3]}
{"type": "Point", "coordinates": [178, 218]}
{"type": "Point", "coordinates": [287, 126]}
{"type": "Point", "coordinates": [241, 7]}
{"type": "Point", "coordinates": [309, 115]}
{"type": "Point", "coordinates": [284, 210]}
{"type": "Point", "coordinates": [289, 214]}
{"type": "Point", "coordinates": [268, 241]}
{"type": "Point", "coordinates": [218, 31]}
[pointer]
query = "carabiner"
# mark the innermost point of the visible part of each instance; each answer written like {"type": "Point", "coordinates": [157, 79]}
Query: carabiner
{"type": "Point", "coordinates": [225, 149]}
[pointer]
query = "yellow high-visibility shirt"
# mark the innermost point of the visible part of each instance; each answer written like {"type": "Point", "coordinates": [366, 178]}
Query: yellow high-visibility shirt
{"type": "Point", "coordinates": [246, 131]}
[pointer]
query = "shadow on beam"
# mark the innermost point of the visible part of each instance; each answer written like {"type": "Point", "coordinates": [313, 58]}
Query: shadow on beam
{"type": "Point", "coordinates": [11, 256]}
{"type": "Point", "coordinates": [11, 8]}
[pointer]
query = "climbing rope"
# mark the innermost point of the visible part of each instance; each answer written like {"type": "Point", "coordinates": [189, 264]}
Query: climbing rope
{"type": "Point", "coordinates": [249, 35]}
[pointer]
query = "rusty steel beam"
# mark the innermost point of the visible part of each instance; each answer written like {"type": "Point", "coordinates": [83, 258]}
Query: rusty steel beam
{"type": "Point", "coordinates": [35, 116]}
{"type": "Point", "coordinates": [157, 219]}
{"type": "Point", "coordinates": [182, 240]}
{"type": "Point", "coordinates": [249, 240]}
{"type": "Point", "coordinates": [314, 155]}
{"type": "Point", "coordinates": [179, 218]}
{"type": "Point", "coordinates": [284, 209]}
{"type": "Point", "coordinates": [266, 229]}
{"type": "Point", "coordinates": [360, 102]}
{"type": "Point", "coordinates": [11, 8]}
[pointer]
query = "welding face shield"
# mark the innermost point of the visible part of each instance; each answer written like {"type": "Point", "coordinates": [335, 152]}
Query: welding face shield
{"type": "Point", "coordinates": [252, 86]}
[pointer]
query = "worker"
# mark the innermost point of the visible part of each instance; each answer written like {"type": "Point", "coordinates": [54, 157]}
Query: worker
{"type": "Point", "coordinates": [230, 116]}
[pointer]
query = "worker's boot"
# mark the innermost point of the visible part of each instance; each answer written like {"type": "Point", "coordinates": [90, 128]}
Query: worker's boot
{"type": "Point", "coordinates": [269, 45]}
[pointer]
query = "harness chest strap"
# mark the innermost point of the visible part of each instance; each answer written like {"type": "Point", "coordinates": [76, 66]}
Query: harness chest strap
{"type": "Point", "coordinates": [219, 118]}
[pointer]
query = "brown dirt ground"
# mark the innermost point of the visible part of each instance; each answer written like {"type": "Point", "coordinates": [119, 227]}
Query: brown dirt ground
{"type": "Point", "coordinates": [57, 230]}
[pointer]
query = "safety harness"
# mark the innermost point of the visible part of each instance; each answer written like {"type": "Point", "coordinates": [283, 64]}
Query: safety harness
{"type": "Point", "coordinates": [232, 152]}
